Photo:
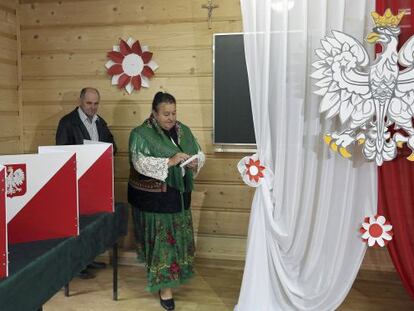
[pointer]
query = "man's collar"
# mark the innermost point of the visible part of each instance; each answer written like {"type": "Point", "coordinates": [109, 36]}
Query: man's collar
{"type": "Point", "coordinates": [84, 117]}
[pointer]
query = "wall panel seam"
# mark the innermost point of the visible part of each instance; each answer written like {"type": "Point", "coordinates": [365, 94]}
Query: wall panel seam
{"type": "Point", "coordinates": [132, 23]}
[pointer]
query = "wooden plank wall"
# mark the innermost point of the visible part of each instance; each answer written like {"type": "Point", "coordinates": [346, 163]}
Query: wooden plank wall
{"type": "Point", "coordinates": [64, 45]}
{"type": "Point", "coordinates": [10, 107]}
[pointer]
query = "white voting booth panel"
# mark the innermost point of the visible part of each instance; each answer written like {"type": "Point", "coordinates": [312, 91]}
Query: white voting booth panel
{"type": "Point", "coordinates": [95, 175]}
{"type": "Point", "coordinates": [41, 196]}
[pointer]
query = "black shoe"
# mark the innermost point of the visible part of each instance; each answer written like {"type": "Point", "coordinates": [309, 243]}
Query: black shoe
{"type": "Point", "coordinates": [167, 304]}
{"type": "Point", "coordinates": [85, 274]}
{"type": "Point", "coordinates": [97, 265]}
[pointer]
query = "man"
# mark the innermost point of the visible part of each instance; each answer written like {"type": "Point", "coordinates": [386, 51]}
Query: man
{"type": "Point", "coordinates": [84, 123]}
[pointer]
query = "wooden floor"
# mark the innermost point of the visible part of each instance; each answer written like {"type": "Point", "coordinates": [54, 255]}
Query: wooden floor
{"type": "Point", "coordinates": [212, 289]}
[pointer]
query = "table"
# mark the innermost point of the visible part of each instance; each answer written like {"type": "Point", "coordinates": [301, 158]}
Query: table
{"type": "Point", "coordinates": [37, 270]}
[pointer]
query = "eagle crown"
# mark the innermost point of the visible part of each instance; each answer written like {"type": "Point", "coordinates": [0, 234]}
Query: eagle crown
{"type": "Point", "coordinates": [386, 27]}
{"type": "Point", "coordinates": [388, 19]}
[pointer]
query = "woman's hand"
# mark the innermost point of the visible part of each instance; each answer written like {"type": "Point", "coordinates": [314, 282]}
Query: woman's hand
{"type": "Point", "coordinates": [193, 164]}
{"type": "Point", "coordinates": [177, 158]}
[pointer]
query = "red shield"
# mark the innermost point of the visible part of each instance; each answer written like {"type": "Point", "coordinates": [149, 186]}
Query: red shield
{"type": "Point", "coordinates": [15, 179]}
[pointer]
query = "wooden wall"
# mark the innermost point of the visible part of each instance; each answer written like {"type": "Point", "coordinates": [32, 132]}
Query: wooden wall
{"type": "Point", "coordinates": [64, 46]}
{"type": "Point", "coordinates": [10, 108]}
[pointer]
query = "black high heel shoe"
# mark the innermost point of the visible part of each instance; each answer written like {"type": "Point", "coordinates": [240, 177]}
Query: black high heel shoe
{"type": "Point", "coordinates": [167, 304]}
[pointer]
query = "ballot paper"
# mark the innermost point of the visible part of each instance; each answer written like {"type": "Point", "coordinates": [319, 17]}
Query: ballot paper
{"type": "Point", "coordinates": [190, 159]}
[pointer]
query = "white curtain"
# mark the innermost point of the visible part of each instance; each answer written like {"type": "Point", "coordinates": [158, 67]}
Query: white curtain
{"type": "Point", "coordinates": [304, 249]}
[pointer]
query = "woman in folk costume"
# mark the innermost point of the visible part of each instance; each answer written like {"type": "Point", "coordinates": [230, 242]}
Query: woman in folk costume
{"type": "Point", "coordinates": [159, 191]}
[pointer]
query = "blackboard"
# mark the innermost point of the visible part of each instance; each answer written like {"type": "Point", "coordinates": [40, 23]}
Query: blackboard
{"type": "Point", "coordinates": [233, 121]}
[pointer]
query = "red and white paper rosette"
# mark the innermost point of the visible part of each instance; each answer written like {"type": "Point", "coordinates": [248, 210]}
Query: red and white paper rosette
{"type": "Point", "coordinates": [376, 231]}
{"type": "Point", "coordinates": [251, 170]}
{"type": "Point", "coordinates": [130, 65]}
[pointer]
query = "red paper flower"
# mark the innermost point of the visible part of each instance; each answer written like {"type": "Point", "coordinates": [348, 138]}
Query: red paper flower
{"type": "Point", "coordinates": [376, 231]}
{"type": "Point", "coordinates": [251, 170]}
{"type": "Point", "coordinates": [254, 170]}
{"type": "Point", "coordinates": [130, 65]}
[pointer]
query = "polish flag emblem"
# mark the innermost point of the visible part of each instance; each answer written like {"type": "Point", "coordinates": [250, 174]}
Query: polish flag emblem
{"type": "Point", "coordinates": [15, 179]}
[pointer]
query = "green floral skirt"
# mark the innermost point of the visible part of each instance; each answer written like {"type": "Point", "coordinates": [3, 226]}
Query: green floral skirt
{"type": "Point", "coordinates": [165, 243]}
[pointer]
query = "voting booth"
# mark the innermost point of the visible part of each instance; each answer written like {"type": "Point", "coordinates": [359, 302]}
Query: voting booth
{"type": "Point", "coordinates": [57, 213]}
{"type": "Point", "coordinates": [41, 196]}
{"type": "Point", "coordinates": [94, 173]}
{"type": "Point", "coordinates": [38, 199]}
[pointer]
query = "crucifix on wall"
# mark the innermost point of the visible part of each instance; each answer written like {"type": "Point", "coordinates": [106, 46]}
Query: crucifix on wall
{"type": "Point", "coordinates": [210, 7]}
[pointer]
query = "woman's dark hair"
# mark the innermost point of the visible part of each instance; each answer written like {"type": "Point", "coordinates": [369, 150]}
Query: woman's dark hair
{"type": "Point", "coordinates": [162, 97]}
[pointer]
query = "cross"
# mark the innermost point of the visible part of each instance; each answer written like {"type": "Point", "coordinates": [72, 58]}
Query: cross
{"type": "Point", "coordinates": [210, 7]}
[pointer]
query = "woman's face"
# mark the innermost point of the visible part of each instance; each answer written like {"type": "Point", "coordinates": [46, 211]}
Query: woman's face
{"type": "Point", "coordinates": [166, 115]}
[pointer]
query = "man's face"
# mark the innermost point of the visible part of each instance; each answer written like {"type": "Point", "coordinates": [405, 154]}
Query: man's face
{"type": "Point", "coordinates": [89, 104]}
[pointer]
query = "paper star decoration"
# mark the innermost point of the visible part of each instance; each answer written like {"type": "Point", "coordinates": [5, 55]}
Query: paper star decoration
{"type": "Point", "coordinates": [130, 65]}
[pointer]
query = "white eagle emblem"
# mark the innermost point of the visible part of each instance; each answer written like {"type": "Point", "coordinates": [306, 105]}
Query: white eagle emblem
{"type": "Point", "coordinates": [369, 101]}
{"type": "Point", "coordinates": [15, 180]}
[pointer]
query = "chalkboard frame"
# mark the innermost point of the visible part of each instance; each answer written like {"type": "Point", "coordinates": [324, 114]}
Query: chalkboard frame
{"type": "Point", "coordinates": [225, 146]}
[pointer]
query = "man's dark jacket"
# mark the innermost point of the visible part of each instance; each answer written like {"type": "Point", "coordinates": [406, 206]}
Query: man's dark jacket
{"type": "Point", "coordinates": [72, 131]}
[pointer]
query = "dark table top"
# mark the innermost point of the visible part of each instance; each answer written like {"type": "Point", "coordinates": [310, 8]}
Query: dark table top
{"type": "Point", "coordinates": [37, 270]}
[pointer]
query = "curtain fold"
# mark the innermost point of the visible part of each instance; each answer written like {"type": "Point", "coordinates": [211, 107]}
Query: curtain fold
{"type": "Point", "coordinates": [303, 249]}
{"type": "Point", "coordinates": [396, 203]}
{"type": "Point", "coordinates": [396, 184]}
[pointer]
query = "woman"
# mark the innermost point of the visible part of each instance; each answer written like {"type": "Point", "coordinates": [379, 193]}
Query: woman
{"type": "Point", "coordinates": [159, 191]}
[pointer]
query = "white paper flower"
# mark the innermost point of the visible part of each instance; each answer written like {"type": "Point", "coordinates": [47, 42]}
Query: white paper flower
{"type": "Point", "coordinates": [251, 170]}
{"type": "Point", "coordinates": [130, 65]}
{"type": "Point", "coordinates": [376, 231]}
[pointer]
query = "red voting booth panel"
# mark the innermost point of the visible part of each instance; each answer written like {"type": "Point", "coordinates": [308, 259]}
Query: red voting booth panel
{"type": "Point", "coordinates": [96, 186]}
{"type": "Point", "coordinates": [95, 175]}
{"type": "Point", "coordinates": [3, 226]}
{"type": "Point", "coordinates": [50, 213]}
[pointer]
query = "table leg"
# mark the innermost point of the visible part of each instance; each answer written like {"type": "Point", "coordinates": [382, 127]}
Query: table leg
{"type": "Point", "coordinates": [67, 290]}
{"type": "Point", "coordinates": [115, 271]}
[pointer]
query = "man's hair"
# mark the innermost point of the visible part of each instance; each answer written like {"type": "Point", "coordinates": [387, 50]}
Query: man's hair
{"type": "Point", "coordinates": [85, 90]}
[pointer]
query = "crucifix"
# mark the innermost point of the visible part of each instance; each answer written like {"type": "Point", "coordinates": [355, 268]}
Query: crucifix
{"type": "Point", "coordinates": [210, 7]}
